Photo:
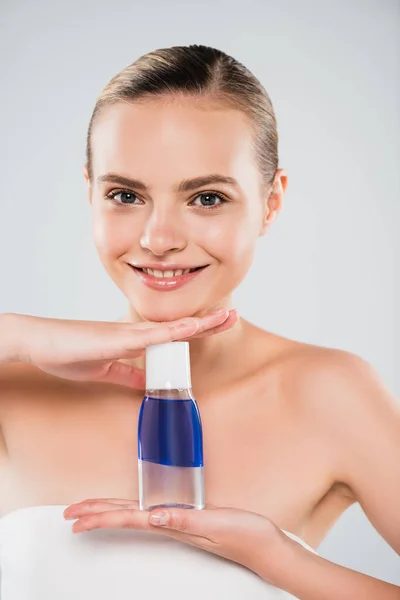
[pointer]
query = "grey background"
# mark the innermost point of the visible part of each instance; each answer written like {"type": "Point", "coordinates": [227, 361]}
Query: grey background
{"type": "Point", "coordinates": [327, 267]}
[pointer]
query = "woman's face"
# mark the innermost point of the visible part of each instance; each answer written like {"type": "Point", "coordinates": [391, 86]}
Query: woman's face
{"type": "Point", "coordinates": [157, 159]}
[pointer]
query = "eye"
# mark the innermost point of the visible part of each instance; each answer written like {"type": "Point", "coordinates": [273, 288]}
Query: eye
{"type": "Point", "coordinates": [127, 197]}
{"type": "Point", "coordinates": [207, 200]}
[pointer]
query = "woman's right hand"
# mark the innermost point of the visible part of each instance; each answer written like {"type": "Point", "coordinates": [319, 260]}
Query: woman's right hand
{"type": "Point", "coordinates": [91, 350]}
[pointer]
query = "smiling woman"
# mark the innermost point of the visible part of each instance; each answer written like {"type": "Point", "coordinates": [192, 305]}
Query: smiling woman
{"type": "Point", "coordinates": [202, 184]}
{"type": "Point", "coordinates": [183, 179]}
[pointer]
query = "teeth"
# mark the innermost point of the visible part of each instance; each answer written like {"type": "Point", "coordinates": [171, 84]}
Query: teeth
{"type": "Point", "coordinates": [161, 274]}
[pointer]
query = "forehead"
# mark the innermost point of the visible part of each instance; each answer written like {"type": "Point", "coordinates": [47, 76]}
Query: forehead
{"type": "Point", "coordinates": [174, 137]}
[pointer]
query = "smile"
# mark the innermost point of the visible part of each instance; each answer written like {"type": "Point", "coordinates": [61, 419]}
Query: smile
{"type": "Point", "coordinates": [158, 273]}
{"type": "Point", "coordinates": [166, 279]}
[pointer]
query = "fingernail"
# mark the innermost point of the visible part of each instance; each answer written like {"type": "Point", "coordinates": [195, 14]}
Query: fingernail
{"type": "Point", "coordinates": [159, 518]}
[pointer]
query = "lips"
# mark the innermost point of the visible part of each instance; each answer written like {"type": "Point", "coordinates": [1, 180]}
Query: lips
{"type": "Point", "coordinates": [166, 279]}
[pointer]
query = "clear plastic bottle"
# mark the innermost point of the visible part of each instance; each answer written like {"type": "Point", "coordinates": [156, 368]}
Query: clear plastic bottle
{"type": "Point", "coordinates": [170, 436]}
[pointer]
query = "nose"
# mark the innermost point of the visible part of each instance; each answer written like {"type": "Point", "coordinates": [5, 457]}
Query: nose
{"type": "Point", "coordinates": [162, 234]}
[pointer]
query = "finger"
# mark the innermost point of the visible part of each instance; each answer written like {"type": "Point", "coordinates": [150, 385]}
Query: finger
{"type": "Point", "coordinates": [122, 501]}
{"type": "Point", "coordinates": [178, 330]}
{"type": "Point", "coordinates": [191, 522]}
{"type": "Point", "coordinates": [230, 322]}
{"type": "Point", "coordinates": [131, 340]}
{"type": "Point", "coordinates": [206, 321]}
{"type": "Point", "coordinates": [139, 336]}
{"type": "Point", "coordinates": [129, 376]}
{"type": "Point", "coordinates": [123, 374]}
{"type": "Point", "coordinates": [121, 518]}
{"type": "Point", "coordinates": [213, 319]}
{"type": "Point", "coordinates": [162, 334]}
{"type": "Point", "coordinates": [95, 505]}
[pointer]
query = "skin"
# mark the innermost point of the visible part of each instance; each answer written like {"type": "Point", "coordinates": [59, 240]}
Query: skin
{"type": "Point", "coordinates": [318, 430]}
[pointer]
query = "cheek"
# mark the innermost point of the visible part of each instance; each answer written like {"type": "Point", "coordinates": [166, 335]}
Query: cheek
{"type": "Point", "coordinates": [111, 234]}
{"type": "Point", "coordinates": [232, 241]}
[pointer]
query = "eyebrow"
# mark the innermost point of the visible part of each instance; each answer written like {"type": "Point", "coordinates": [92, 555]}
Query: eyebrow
{"type": "Point", "coordinates": [186, 185]}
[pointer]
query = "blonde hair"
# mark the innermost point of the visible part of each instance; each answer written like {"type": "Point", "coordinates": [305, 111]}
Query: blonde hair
{"type": "Point", "coordinates": [198, 71]}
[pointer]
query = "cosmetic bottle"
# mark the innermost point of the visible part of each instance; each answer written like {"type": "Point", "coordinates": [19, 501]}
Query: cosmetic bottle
{"type": "Point", "coordinates": [170, 437]}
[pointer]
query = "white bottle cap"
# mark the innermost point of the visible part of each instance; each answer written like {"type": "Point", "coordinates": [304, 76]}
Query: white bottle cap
{"type": "Point", "coordinates": [168, 366]}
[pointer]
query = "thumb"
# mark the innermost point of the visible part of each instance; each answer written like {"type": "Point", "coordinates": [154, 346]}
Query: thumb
{"type": "Point", "coordinates": [123, 374]}
{"type": "Point", "coordinates": [195, 522]}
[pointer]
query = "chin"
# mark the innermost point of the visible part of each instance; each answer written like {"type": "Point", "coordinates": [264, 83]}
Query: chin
{"type": "Point", "coordinates": [158, 314]}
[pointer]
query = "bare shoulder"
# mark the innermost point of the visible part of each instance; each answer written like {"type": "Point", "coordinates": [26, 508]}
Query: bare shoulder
{"type": "Point", "coordinates": [338, 386]}
{"type": "Point", "coordinates": [342, 396]}
{"type": "Point", "coordinates": [338, 383]}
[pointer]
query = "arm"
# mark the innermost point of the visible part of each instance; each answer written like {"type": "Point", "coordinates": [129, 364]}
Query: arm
{"type": "Point", "coordinates": [310, 577]}
{"type": "Point", "coordinates": [362, 418]}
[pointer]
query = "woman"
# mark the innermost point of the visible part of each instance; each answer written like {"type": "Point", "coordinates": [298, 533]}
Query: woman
{"type": "Point", "coordinates": [183, 178]}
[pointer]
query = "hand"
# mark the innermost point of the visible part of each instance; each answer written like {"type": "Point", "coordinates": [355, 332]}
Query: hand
{"type": "Point", "coordinates": [90, 350]}
{"type": "Point", "coordinates": [245, 537]}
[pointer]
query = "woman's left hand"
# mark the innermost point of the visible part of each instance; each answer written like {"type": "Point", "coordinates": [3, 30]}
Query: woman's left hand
{"type": "Point", "coordinates": [242, 536]}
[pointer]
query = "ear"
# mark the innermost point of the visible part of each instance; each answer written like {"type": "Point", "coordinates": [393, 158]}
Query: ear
{"type": "Point", "coordinates": [273, 203]}
{"type": "Point", "coordinates": [88, 182]}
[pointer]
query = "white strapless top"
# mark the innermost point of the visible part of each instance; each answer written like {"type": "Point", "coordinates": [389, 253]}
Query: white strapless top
{"type": "Point", "coordinates": [41, 559]}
